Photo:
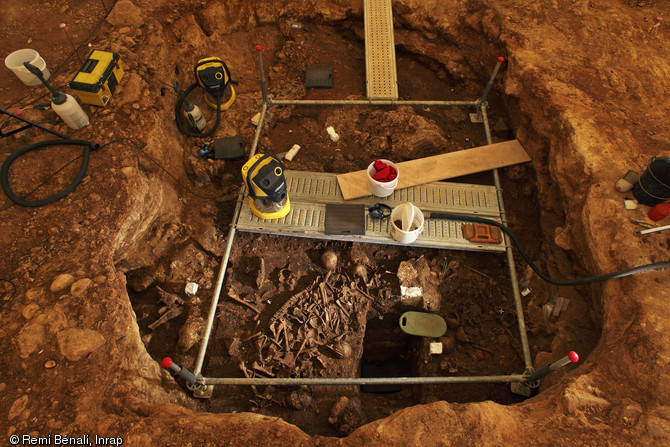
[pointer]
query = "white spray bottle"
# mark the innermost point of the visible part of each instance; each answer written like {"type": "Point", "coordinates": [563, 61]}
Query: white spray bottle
{"type": "Point", "coordinates": [194, 116]}
{"type": "Point", "coordinates": [63, 104]}
{"type": "Point", "coordinates": [69, 110]}
{"type": "Point", "coordinates": [191, 112]}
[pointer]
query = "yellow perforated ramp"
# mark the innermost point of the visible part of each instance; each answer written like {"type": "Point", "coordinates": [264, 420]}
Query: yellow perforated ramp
{"type": "Point", "coordinates": [380, 68]}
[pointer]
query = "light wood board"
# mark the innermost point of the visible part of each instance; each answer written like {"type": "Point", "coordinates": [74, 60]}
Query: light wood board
{"type": "Point", "coordinates": [440, 167]}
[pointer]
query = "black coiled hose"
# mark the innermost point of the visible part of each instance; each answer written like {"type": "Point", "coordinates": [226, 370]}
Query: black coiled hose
{"type": "Point", "coordinates": [4, 173]}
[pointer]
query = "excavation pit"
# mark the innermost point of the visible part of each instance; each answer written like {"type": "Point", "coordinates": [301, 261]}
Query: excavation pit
{"type": "Point", "coordinates": [275, 315]}
{"type": "Point", "coordinates": [143, 228]}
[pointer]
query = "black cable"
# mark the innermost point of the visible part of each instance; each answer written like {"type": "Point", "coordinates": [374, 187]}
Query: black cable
{"type": "Point", "coordinates": [177, 115]}
{"type": "Point", "coordinates": [545, 277]}
{"type": "Point", "coordinates": [4, 172]}
{"type": "Point", "coordinates": [95, 28]}
{"type": "Point", "coordinates": [152, 76]}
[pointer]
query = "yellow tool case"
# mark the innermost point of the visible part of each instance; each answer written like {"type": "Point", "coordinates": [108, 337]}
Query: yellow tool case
{"type": "Point", "coordinates": [97, 78]}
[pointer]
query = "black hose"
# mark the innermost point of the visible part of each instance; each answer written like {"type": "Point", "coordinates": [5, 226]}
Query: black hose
{"type": "Point", "coordinates": [177, 115]}
{"type": "Point", "coordinates": [4, 173]}
{"type": "Point", "coordinates": [544, 276]}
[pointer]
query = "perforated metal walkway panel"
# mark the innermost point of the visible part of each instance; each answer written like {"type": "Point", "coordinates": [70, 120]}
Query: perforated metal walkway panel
{"type": "Point", "coordinates": [309, 192]}
{"type": "Point", "coordinates": [380, 66]}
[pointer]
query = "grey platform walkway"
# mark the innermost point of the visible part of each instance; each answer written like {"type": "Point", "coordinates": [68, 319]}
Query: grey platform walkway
{"type": "Point", "coordinates": [309, 192]}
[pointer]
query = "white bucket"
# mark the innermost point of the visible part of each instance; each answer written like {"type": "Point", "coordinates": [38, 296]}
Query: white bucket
{"type": "Point", "coordinates": [15, 63]}
{"type": "Point", "coordinates": [406, 223]}
{"type": "Point", "coordinates": [382, 189]}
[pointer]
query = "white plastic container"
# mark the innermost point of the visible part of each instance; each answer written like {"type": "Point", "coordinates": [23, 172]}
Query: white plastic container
{"type": "Point", "coordinates": [627, 182]}
{"type": "Point", "coordinates": [382, 189]}
{"type": "Point", "coordinates": [406, 223]}
{"type": "Point", "coordinates": [195, 117]}
{"type": "Point", "coordinates": [15, 63]}
{"type": "Point", "coordinates": [69, 110]}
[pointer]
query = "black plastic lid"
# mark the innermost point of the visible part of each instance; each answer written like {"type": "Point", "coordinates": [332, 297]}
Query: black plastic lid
{"type": "Point", "coordinates": [58, 98]}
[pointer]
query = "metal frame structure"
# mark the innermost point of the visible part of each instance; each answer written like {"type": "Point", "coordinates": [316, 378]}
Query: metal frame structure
{"type": "Point", "coordinates": [202, 387]}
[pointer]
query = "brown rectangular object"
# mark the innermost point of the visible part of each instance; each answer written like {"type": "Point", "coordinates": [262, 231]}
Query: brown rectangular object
{"type": "Point", "coordinates": [487, 234]}
{"type": "Point", "coordinates": [440, 167]}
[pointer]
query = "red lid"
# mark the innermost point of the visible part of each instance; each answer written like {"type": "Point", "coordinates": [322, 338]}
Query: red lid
{"type": "Point", "coordinates": [167, 362]}
{"type": "Point", "coordinates": [659, 212]}
{"type": "Point", "coordinates": [573, 356]}
{"type": "Point", "coordinates": [259, 48]}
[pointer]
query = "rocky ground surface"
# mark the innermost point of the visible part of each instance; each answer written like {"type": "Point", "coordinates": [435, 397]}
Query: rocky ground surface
{"type": "Point", "coordinates": [583, 89]}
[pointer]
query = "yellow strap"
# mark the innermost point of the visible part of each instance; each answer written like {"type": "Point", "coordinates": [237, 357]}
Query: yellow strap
{"type": "Point", "coordinates": [227, 104]}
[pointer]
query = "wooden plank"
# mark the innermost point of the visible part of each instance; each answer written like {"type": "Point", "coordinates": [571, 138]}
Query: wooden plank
{"type": "Point", "coordinates": [440, 167]}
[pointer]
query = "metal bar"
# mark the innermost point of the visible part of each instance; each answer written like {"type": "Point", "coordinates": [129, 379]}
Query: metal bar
{"type": "Point", "coordinates": [652, 230]}
{"type": "Point", "coordinates": [355, 381]}
{"type": "Point", "coordinates": [259, 127]}
{"type": "Point", "coordinates": [12, 132]}
{"type": "Point", "coordinates": [39, 126]}
{"type": "Point", "coordinates": [572, 357]}
{"type": "Point", "coordinates": [487, 90]}
{"type": "Point", "coordinates": [264, 88]}
{"type": "Point", "coordinates": [224, 262]}
{"type": "Point", "coordinates": [518, 306]}
{"type": "Point", "coordinates": [366, 102]}
{"type": "Point", "coordinates": [215, 297]}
